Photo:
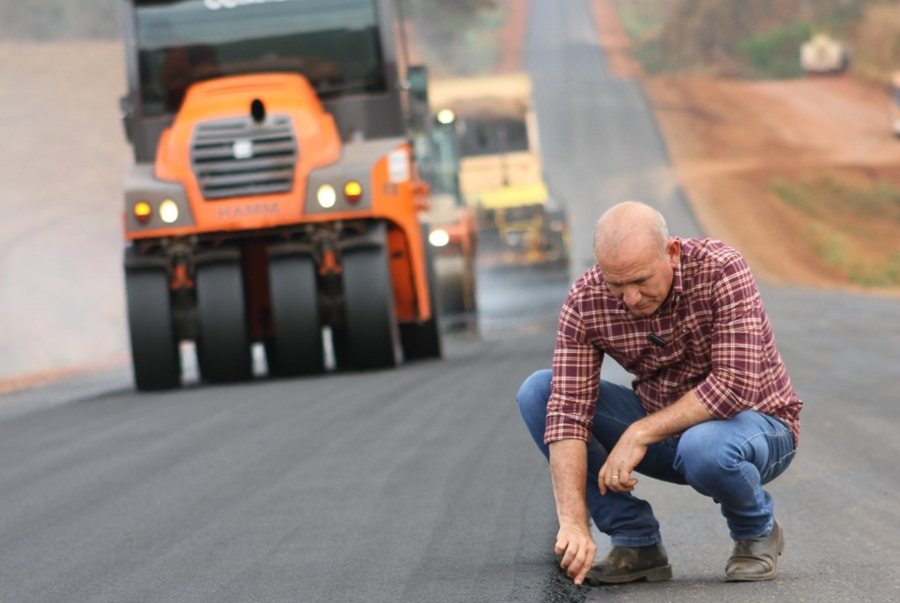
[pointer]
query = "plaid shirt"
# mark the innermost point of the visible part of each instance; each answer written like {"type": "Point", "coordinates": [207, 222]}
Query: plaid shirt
{"type": "Point", "coordinates": [719, 343]}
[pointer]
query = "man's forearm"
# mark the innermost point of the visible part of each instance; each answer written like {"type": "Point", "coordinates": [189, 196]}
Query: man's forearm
{"type": "Point", "coordinates": [574, 543]}
{"type": "Point", "coordinates": [616, 474]}
{"type": "Point", "coordinates": [672, 420]}
{"type": "Point", "coordinates": [568, 468]}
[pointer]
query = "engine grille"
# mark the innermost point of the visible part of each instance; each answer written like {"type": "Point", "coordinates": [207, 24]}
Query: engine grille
{"type": "Point", "coordinates": [238, 157]}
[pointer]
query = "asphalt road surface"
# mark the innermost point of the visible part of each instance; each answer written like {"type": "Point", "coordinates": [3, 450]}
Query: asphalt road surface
{"type": "Point", "coordinates": [421, 484]}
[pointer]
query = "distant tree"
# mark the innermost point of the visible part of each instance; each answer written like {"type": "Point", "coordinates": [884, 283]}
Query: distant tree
{"type": "Point", "coordinates": [443, 28]}
{"type": "Point", "coordinates": [740, 37]}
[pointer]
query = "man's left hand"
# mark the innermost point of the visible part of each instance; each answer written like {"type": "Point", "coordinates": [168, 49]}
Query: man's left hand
{"type": "Point", "coordinates": [615, 474]}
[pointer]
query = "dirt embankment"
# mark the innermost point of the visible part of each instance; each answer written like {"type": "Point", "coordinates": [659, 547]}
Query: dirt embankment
{"type": "Point", "coordinates": [63, 161]}
{"type": "Point", "coordinates": [730, 141]}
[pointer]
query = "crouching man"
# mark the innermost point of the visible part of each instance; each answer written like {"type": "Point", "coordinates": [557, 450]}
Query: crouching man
{"type": "Point", "coordinates": [711, 403]}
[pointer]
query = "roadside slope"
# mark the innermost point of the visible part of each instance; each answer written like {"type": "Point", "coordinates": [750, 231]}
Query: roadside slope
{"type": "Point", "coordinates": [61, 292]}
{"type": "Point", "coordinates": [730, 141]}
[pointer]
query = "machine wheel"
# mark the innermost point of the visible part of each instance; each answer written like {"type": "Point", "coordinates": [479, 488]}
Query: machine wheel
{"type": "Point", "coordinates": [424, 340]}
{"type": "Point", "coordinates": [341, 346]}
{"type": "Point", "coordinates": [371, 334]}
{"type": "Point", "coordinates": [452, 284]}
{"type": "Point", "coordinates": [154, 349]}
{"type": "Point", "coordinates": [472, 286]}
{"type": "Point", "coordinates": [223, 340]}
{"type": "Point", "coordinates": [296, 348]}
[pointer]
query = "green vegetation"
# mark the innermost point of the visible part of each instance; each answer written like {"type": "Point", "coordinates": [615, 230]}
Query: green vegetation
{"type": "Point", "coordinates": [773, 54]}
{"type": "Point", "coordinates": [851, 225]}
{"type": "Point", "coordinates": [643, 19]}
{"type": "Point", "coordinates": [459, 37]}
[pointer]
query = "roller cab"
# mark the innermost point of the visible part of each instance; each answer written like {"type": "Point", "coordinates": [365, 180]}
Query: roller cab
{"type": "Point", "coordinates": [501, 173]}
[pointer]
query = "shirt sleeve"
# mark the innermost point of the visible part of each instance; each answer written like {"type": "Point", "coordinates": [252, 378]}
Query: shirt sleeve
{"type": "Point", "coordinates": [575, 384]}
{"type": "Point", "coordinates": [737, 345]}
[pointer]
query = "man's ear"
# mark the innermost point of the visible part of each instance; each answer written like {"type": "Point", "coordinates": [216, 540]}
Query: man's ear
{"type": "Point", "coordinates": [673, 252]}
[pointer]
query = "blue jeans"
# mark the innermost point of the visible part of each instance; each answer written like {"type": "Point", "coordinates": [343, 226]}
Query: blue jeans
{"type": "Point", "coordinates": [727, 460]}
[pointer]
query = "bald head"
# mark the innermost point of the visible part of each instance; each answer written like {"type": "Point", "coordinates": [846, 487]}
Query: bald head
{"type": "Point", "coordinates": [636, 256]}
{"type": "Point", "coordinates": [630, 229]}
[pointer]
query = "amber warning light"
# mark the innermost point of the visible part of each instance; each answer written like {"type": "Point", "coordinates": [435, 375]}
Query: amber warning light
{"type": "Point", "coordinates": [142, 212]}
{"type": "Point", "coordinates": [353, 191]}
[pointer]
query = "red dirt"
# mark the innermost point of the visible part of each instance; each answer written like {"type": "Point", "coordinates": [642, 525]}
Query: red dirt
{"type": "Point", "coordinates": [616, 43]}
{"type": "Point", "coordinates": [730, 141]}
{"type": "Point", "coordinates": [512, 36]}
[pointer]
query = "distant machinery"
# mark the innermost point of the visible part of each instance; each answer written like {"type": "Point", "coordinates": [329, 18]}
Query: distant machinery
{"type": "Point", "coordinates": [823, 54]}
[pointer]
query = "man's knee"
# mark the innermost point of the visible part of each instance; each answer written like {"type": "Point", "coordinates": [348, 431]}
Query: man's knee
{"type": "Point", "coordinates": [702, 452]}
{"type": "Point", "coordinates": [533, 395]}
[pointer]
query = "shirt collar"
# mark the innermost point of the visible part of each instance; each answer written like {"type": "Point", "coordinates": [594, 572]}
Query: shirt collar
{"type": "Point", "coordinates": [677, 285]}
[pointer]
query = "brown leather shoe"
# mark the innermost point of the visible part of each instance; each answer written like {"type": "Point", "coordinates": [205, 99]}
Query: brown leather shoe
{"type": "Point", "coordinates": [755, 559]}
{"type": "Point", "coordinates": [627, 564]}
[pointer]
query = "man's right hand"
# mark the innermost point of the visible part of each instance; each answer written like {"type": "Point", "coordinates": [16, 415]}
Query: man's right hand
{"type": "Point", "coordinates": [576, 546]}
{"type": "Point", "coordinates": [568, 467]}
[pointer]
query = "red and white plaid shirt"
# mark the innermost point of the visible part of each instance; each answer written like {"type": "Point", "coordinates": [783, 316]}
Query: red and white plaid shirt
{"type": "Point", "coordinates": [719, 343]}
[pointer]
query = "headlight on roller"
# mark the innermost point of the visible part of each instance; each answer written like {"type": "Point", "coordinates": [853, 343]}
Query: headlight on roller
{"type": "Point", "coordinates": [446, 116]}
{"type": "Point", "coordinates": [439, 238]}
{"type": "Point", "coordinates": [168, 211]}
{"type": "Point", "coordinates": [326, 196]}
